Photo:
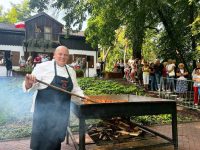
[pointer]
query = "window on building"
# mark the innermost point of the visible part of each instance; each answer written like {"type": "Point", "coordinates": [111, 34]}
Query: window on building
{"type": "Point", "coordinates": [38, 33]}
{"type": "Point", "coordinates": [47, 33]}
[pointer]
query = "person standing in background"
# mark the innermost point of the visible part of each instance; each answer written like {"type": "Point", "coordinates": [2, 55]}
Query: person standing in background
{"type": "Point", "coordinates": [158, 72]}
{"type": "Point", "coordinates": [196, 85]}
{"type": "Point", "coordinates": [98, 69]}
{"type": "Point", "coordinates": [29, 62]}
{"type": "Point", "coordinates": [171, 75]}
{"type": "Point", "coordinates": [83, 66]}
{"type": "Point", "coordinates": [152, 77]}
{"type": "Point", "coordinates": [163, 81]}
{"type": "Point", "coordinates": [139, 72]}
{"type": "Point", "coordinates": [22, 62]}
{"type": "Point", "coordinates": [122, 67]}
{"type": "Point", "coordinates": [8, 66]}
{"type": "Point", "coordinates": [145, 75]}
{"type": "Point", "coordinates": [181, 83]}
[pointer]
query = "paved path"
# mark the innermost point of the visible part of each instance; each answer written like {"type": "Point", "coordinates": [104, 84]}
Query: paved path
{"type": "Point", "coordinates": [188, 135]}
{"type": "Point", "coordinates": [3, 70]}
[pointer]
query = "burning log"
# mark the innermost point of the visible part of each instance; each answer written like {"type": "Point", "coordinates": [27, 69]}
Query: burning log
{"type": "Point", "coordinates": [112, 129]}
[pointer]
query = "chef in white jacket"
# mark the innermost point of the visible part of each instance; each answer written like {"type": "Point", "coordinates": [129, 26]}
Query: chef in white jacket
{"type": "Point", "coordinates": [51, 107]}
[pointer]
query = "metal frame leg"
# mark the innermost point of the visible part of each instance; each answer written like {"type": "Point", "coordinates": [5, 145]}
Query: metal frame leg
{"type": "Point", "coordinates": [174, 130]}
{"type": "Point", "coordinates": [82, 134]}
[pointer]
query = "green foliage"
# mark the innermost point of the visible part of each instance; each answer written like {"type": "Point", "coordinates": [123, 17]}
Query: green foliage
{"type": "Point", "coordinates": [79, 72]}
{"type": "Point", "coordinates": [175, 21]}
{"type": "Point", "coordinates": [39, 43]}
{"type": "Point", "coordinates": [15, 131]}
{"type": "Point", "coordinates": [196, 26]}
{"type": "Point", "coordinates": [196, 33]}
{"type": "Point", "coordinates": [92, 86]}
{"type": "Point", "coordinates": [41, 5]}
{"type": "Point", "coordinates": [27, 69]}
{"type": "Point", "coordinates": [121, 50]}
{"type": "Point", "coordinates": [159, 119]}
{"type": "Point", "coordinates": [2, 118]}
{"type": "Point", "coordinates": [18, 12]}
{"type": "Point", "coordinates": [150, 47]}
{"type": "Point", "coordinates": [101, 26]}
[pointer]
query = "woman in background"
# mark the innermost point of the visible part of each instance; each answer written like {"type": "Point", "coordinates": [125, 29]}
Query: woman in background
{"type": "Point", "coordinates": [181, 85]}
{"type": "Point", "coordinates": [145, 70]}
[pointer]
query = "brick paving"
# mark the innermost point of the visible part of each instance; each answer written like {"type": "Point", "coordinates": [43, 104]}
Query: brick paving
{"type": "Point", "coordinates": [2, 71]}
{"type": "Point", "coordinates": [23, 144]}
{"type": "Point", "coordinates": [188, 135]}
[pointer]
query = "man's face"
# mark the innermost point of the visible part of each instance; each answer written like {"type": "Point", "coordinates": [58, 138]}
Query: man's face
{"type": "Point", "coordinates": [61, 55]}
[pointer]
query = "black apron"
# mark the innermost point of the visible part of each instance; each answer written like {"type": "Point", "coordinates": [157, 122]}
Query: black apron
{"type": "Point", "coordinates": [51, 115]}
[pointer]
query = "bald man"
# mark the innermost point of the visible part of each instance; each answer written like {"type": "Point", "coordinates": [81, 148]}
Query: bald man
{"type": "Point", "coordinates": [51, 107]}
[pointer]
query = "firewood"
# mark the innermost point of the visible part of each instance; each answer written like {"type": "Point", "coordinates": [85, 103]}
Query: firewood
{"type": "Point", "coordinates": [136, 128]}
{"type": "Point", "coordinates": [137, 133]}
{"type": "Point", "coordinates": [100, 136]}
{"type": "Point", "coordinates": [104, 138]}
{"type": "Point", "coordinates": [122, 127]}
{"type": "Point", "coordinates": [123, 132]}
{"type": "Point", "coordinates": [94, 134]}
{"type": "Point", "coordinates": [130, 133]}
{"type": "Point", "coordinates": [124, 124]}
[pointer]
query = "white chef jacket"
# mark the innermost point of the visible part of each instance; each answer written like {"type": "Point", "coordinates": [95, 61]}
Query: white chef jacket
{"type": "Point", "coordinates": [45, 72]}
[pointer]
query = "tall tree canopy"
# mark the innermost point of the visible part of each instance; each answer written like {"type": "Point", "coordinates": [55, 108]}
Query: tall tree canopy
{"type": "Point", "coordinates": [175, 21]}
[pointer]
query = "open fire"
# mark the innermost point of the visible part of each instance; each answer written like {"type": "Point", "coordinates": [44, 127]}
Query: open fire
{"type": "Point", "coordinates": [115, 130]}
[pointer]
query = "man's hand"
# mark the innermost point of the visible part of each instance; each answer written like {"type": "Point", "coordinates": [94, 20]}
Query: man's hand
{"type": "Point", "coordinates": [29, 81]}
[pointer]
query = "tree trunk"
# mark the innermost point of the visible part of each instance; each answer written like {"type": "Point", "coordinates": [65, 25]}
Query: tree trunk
{"type": "Point", "coordinates": [193, 40]}
{"type": "Point", "coordinates": [173, 36]}
{"type": "Point", "coordinates": [138, 34]}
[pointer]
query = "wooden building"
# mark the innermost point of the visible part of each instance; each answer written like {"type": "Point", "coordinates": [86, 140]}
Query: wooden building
{"type": "Point", "coordinates": [11, 42]}
{"type": "Point", "coordinates": [43, 34]}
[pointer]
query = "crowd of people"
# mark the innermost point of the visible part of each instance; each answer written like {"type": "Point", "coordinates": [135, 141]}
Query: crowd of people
{"type": "Point", "coordinates": [156, 76]}
{"type": "Point", "coordinates": [79, 63]}
{"type": "Point", "coordinates": [31, 62]}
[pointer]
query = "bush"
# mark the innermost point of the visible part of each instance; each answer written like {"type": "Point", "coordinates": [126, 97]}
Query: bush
{"type": "Point", "coordinates": [79, 73]}
{"type": "Point", "coordinates": [23, 71]}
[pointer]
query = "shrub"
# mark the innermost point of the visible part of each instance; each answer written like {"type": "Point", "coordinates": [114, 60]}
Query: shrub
{"type": "Point", "coordinates": [79, 72]}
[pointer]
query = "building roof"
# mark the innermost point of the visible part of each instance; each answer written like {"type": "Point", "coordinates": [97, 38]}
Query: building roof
{"type": "Point", "coordinates": [42, 14]}
{"type": "Point", "coordinates": [12, 38]}
{"type": "Point", "coordinates": [76, 43]}
{"type": "Point", "coordinates": [11, 27]}
{"type": "Point", "coordinates": [8, 32]}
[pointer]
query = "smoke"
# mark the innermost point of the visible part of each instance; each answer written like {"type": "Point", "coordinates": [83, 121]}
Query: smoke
{"type": "Point", "coordinates": [14, 103]}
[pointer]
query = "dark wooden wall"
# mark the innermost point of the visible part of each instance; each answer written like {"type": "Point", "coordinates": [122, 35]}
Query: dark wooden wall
{"type": "Point", "coordinates": [41, 22]}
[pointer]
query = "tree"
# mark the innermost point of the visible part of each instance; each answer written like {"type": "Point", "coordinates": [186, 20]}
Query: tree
{"type": "Point", "coordinates": [121, 50]}
{"type": "Point", "coordinates": [1, 14]}
{"type": "Point", "coordinates": [173, 17]}
{"type": "Point", "coordinates": [18, 12]}
{"type": "Point", "coordinates": [178, 31]}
